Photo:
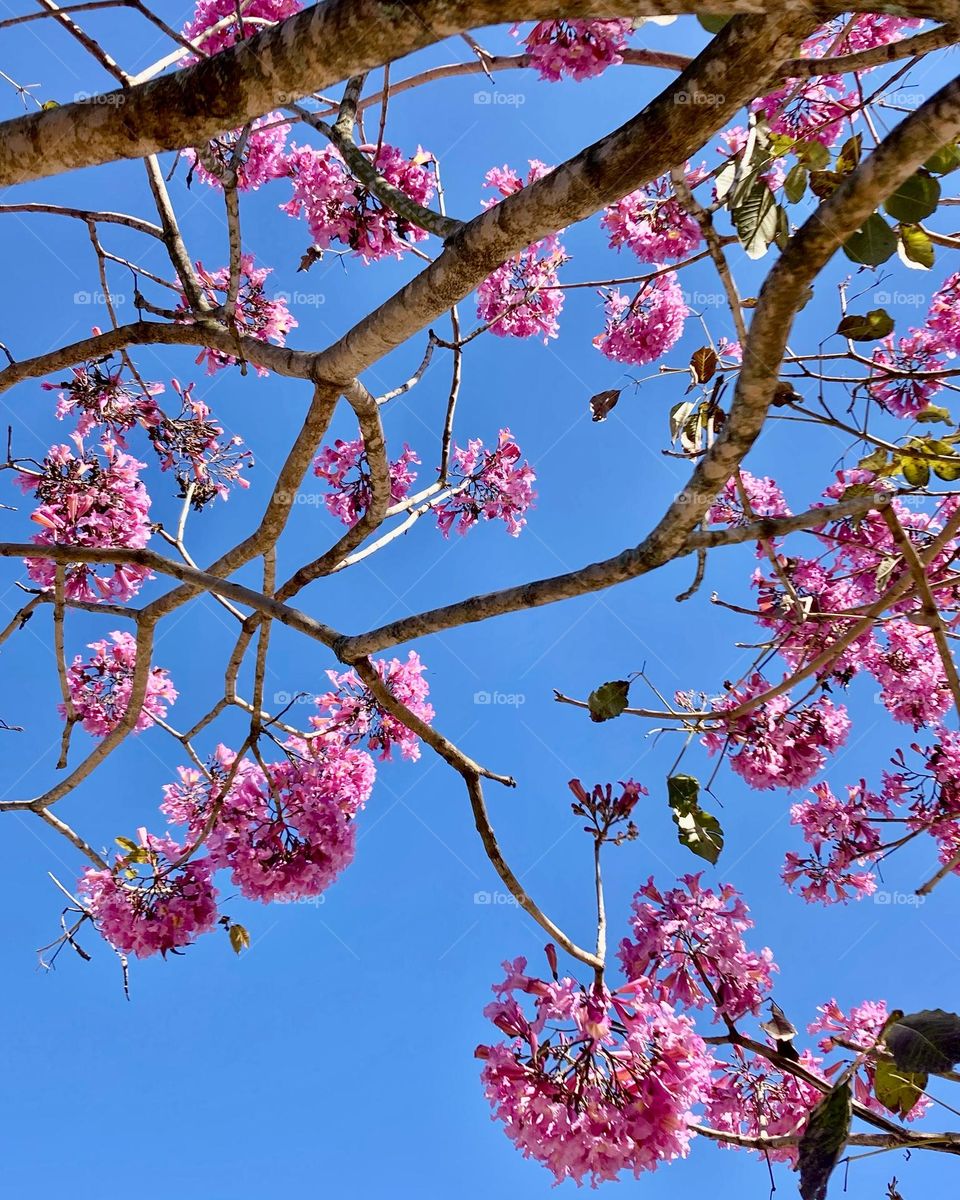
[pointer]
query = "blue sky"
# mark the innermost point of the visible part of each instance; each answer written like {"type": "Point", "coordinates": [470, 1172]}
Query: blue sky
{"type": "Point", "coordinates": [337, 1054]}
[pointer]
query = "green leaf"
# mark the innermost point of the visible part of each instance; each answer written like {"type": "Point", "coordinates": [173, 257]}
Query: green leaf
{"type": "Point", "coordinates": [126, 843]}
{"type": "Point", "coordinates": [756, 220]}
{"type": "Point", "coordinates": [875, 325]}
{"type": "Point", "coordinates": [933, 413]}
{"type": "Point", "coordinates": [823, 1141]}
{"type": "Point", "coordinates": [609, 700]}
{"type": "Point", "coordinates": [699, 831]}
{"type": "Point", "coordinates": [872, 244]}
{"type": "Point", "coordinates": [795, 184]}
{"type": "Point", "coordinates": [713, 24]}
{"type": "Point", "coordinates": [925, 1041]}
{"type": "Point", "coordinates": [948, 472]}
{"type": "Point", "coordinates": [916, 471]}
{"type": "Point", "coordinates": [916, 246]}
{"type": "Point", "coordinates": [896, 1089]}
{"type": "Point", "coordinates": [915, 199]}
{"type": "Point", "coordinates": [945, 160]}
{"type": "Point", "coordinates": [849, 156]}
{"type": "Point", "coordinates": [239, 938]}
{"type": "Point", "coordinates": [824, 183]}
{"type": "Point", "coordinates": [813, 154]}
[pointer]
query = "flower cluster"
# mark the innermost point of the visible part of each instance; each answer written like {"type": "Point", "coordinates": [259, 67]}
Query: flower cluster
{"type": "Point", "coordinates": [89, 498]}
{"type": "Point", "coordinates": [256, 315]}
{"type": "Point", "coordinates": [521, 298]}
{"type": "Point", "coordinates": [643, 329]}
{"type": "Point", "coordinates": [147, 904]}
{"type": "Point", "coordinates": [98, 395]}
{"type": "Point", "coordinates": [905, 379]}
{"type": "Point", "coordinates": [340, 209]}
{"type": "Point", "coordinates": [652, 223]}
{"type": "Point", "coordinates": [256, 153]}
{"type": "Point", "coordinates": [218, 24]}
{"type": "Point", "coordinates": [494, 484]}
{"type": "Point", "coordinates": [688, 945]}
{"type": "Point", "coordinates": [777, 743]}
{"type": "Point", "coordinates": [813, 109]}
{"type": "Point", "coordinates": [578, 49]}
{"type": "Point", "coordinates": [592, 1082]}
{"type": "Point", "coordinates": [358, 717]}
{"type": "Point", "coordinates": [741, 504]}
{"type": "Point", "coordinates": [346, 469]}
{"type": "Point", "coordinates": [100, 687]}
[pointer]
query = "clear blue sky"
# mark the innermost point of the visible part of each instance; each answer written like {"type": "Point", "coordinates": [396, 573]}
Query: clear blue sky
{"type": "Point", "coordinates": [336, 1056]}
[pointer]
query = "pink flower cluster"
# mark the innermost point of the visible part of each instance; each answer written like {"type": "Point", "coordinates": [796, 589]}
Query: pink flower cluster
{"type": "Point", "coordinates": [845, 35]}
{"type": "Point", "coordinates": [653, 223]}
{"type": "Point", "coordinates": [764, 497]}
{"type": "Point", "coordinates": [358, 717]}
{"type": "Point", "coordinates": [592, 1082]}
{"type": "Point", "coordinates": [777, 744]}
{"type": "Point", "coordinates": [643, 329]}
{"type": "Point", "coordinates": [579, 49]}
{"type": "Point", "coordinates": [521, 298]}
{"type": "Point", "coordinates": [815, 109]}
{"type": "Point", "coordinates": [339, 209]}
{"type": "Point", "coordinates": [687, 944]}
{"type": "Point", "coordinates": [346, 469]}
{"type": "Point", "coordinates": [493, 484]}
{"type": "Point", "coordinates": [98, 395]}
{"type": "Point", "coordinates": [100, 687]}
{"type": "Point", "coordinates": [912, 383]}
{"type": "Point", "coordinates": [218, 24]}
{"type": "Point", "coordinates": [256, 315]}
{"type": "Point", "coordinates": [89, 498]}
{"type": "Point", "coordinates": [148, 905]}
{"type": "Point", "coordinates": [260, 159]}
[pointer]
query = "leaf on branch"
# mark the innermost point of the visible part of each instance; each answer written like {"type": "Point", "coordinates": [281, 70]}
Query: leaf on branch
{"type": "Point", "coordinates": [849, 157]}
{"type": "Point", "coordinates": [712, 24]}
{"type": "Point", "coordinates": [872, 244]}
{"type": "Point", "coordinates": [698, 830]}
{"type": "Point", "coordinates": [934, 413]}
{"type": "Point", "coordinates": [603, 403]}
{"type": "Point", "coordinates": [915, 199]}
{"type": "Point", "coordinates": [870, 328]}
{"type": "Point", "coordinates": [823, 1141]}
{"type": "Point", "coordinates": [945, 160]}
{"type": "Point", "coordinates": [310, 258]}
{"type": "Point", "coordinates": [756, 217]}
{"type": "Point", "coordinates": [925, 1041]}
{"type": "Point", "coordinates": [915, 247]}
{"type": "Point", "coordinates": [897, 1089]}
{"type": "Point", "coordinates": [703, 364]}
{"type": "Point", "coordinates": [609, 700]}
{"type": "Point", "coordinates": [239, 938]}
{"type": "Point", "coordinates": [795, 184]}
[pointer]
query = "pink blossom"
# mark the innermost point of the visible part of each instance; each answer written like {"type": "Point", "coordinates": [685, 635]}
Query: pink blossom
{"type": "Point", "coordinates": [352, 710]}
{"type": "Point", "coordinates": [592, 1083]}
{"type": "Point", "coordinates": [255, 14]}
{"type": "Point", "coordinates": [764, 496]}
{"type": "Point", "coordinates": [653, 223]}
{"type": "Point", "coordinates": [100, 687]}
{"type": "Point", "coordinates": [260, 160]}
{"type": "Point", "coordinates": [687, 944]}
{"type": "Point", "coordinates": [944, 315]}
{"type": "Point", "coordinates": [846, 35]}
{"type": "Point", "coordinates": [98, 395]}
{"type": "Point", "coordinates": [346, 468]}
{"type": "Point", "coordinates": [90, 499]}
{"type": "Point", "coordinates": [814, 109]}
{"type": "Point", "coordinates": [146, 904]}
{"type": "Point", "coordinates": [906, 395]}
{"type": "Point", "coordinates": [256, 316]}
{"type": "Point", "coordinates": [580, 49]}
{"type": "Point", "coordinates": [643, 329]}
{"type": "Point", "coordinates": [493, 484]}
{"type": "Point", "coordinates": [847, 829]}
{"type": "Point", "coordinates": [777, 744]}
{"type": "Point", "coordinates": [339, 209]}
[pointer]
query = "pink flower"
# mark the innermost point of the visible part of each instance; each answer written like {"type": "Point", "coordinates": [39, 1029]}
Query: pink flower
{"type": "Point", "coordinates": [813, 109]}
{"type": "Point", "coordinates": [339, 209]}
{"type": "Point", "coordinates": [493, 484]}
{"type": "Point", "coordinates": [777, 744]}
{"type": "Point", "coordinates": [642, 330]}
{"type": "Point", "coordinates": [99, 396]}
{"type": "Point", "coordinates": [160, 908]}
{"type": "Point", "coordinates": [652, 222]}
{"type": "Point", "coordinates": [592, 1083]}
{"type": "Point", "coordinates": [906, 395]}
{"type": "Point", "coordinates": [90, 499]}
{"type": "Point", "coordinates": [100, 687]}
{"type": "Point", "coordinates": [944, 315]}
{"type": "Point", "coordinates": [255, 15]}
{"type": "Point", "coordinates": [765, 497]}
{"type": "Point", "coordinates": [256, 316]}
{"type": "Point", "coordinates": [580, 49]}
{"type": "Point", "coordinates": [352, 710]}
{"type": "Point", "coordinates": [687, 945]}
{"type": "Point", "coordinates": [260, 161]}
{"type": "Point", "coordinates": [847, 829]}
{"type": "Point", "coordinates": [346, 469]}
